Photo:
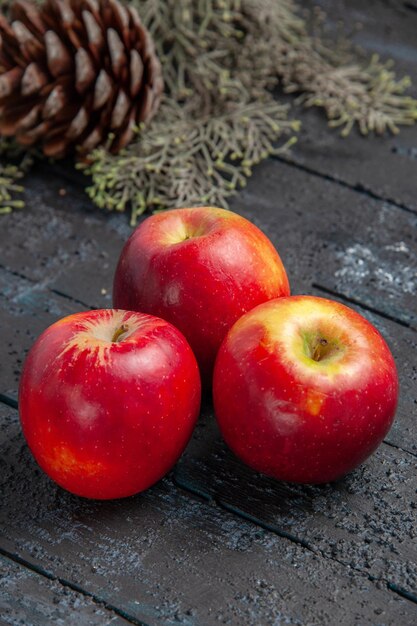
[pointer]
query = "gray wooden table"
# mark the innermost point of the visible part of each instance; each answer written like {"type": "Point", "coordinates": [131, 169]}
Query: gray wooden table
{"type": "Point", "coordinates": [214, 542]}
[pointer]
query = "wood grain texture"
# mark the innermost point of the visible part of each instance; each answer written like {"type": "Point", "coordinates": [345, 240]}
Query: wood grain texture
{"type": "Point", "coordinates": [26, 309]}
{"type": "Point", "coordinates": [360, 247]}
{"type": "Point", "coordinates": [63, 241]}
{"type": "Point", "coordinates": [366, 521]}
{"type": "Point", "coordinates": [30, 599]}
{"type": "Point", "coordinates": [166, 558]}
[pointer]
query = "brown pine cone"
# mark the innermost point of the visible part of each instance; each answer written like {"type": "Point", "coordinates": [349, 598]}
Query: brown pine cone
{"type": "Point", "coordinates": [71, 71]}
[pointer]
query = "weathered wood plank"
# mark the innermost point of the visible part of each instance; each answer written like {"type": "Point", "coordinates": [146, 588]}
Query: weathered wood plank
{"type": "Point", "coordinates": [164, 557]}
{"type": "Point", "coordinates": [30, 599]}
{"type": "Point", "coordinates": [360, 247]}
{"type": "Point", "coordinates": [366, 521]}
{"type": "Point", "coordinates": [63, 240]}
{"type": "Point", "coordinates": [26, 309]}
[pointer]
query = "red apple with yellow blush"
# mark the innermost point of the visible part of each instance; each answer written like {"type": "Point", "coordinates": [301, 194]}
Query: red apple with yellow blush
{"type": "Point", "coordinates": [108, 401]}
{"type": "Point", "coordinates": [304, 389]}
{"type": "Point", "coordinates": [200, 269]}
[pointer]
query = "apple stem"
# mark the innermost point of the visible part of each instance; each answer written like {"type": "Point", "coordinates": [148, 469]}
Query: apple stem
{"type": "Point", "coordinates": [318, 350]}
{"type": "Point", "coordinates": [118, 333]}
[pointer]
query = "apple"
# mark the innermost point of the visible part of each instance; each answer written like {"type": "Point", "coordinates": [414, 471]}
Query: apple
{"type": "Point", "coordinates": [304, 389]}
{"type": "Point", "coordinates": [200, 269]}
{"type": "Point", "coordinates": [108, 401]}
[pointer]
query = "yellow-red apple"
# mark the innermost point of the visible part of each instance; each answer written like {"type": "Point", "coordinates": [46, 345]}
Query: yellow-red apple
{"type": "Point", "coordinates": [304, 389]}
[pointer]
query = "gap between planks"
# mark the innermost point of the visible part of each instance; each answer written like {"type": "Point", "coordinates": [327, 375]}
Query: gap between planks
{"type": "Point", "coordinates": [411, 6]}
{"type": "Point", "coordinates": [73, 586]}
{"type": "Point", "coordinates": [57, 292]}
{"type": "Point", "coordinates": [358, 188]}
{"type": "Point", "coordinates": [285, 535]}
{"type": "Point", "coordinates": [365, 307]}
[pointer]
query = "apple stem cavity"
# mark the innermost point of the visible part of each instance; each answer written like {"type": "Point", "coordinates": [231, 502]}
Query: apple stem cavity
{"type": "Point", "coordinates": [319, 349]}
{"type": "Point", "coordinates": [322, 350]}
{"type": "Point", "coordinates": [119, 332]}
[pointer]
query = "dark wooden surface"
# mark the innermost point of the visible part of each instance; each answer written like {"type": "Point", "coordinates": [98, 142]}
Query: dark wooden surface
{"type": "Point", "coordinates": [214, 542]}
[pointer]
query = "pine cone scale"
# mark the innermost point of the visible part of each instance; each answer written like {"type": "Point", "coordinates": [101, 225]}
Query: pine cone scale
{"type": "Point", "coordinates": [85, 72]}
{"type": "Point", "coordinates": [117, 55]}
{"type": "Point", "coordinates": [9, 81]}
{"type": "Point", "coordinates": [9, 50]}
{"type": "Point", "coordinates": [92, 140]}
{"type": "Point", "coordinates": [95, 36]}
{"type": "Point", "coordinates": [32, 135]}
{"type": "Point", "coordinates": [66, 13]}
{"type": "Point", "coordinates": [147, 102]}
{"type": "Point", "coordinates": [29, 45]}
{"type": "Point", "coordinates": [120, 110]}
{"type": "Point", "coordinates": [102, 91]}
{"type": "Point", "coordinates": [30, 119]}
{"type": "Point", "coordinates": [125, 134]}
{"type": "Point", "coordinates": [121, 16]}
{"type": "Point", "coordinates": [28, 14]}
{"type": "Point", "coordinates": [78, 125]}
{"type": "Point", "coordinates": [33, 80]}
{"type": "Point", "coordinates": [58, 59]}
{"type": "Point", "coordinates": [71, 71]}
{"type": "Point", "coordinates": [55, 102]}
{"type": "Point", "coordinates": [18, 119]}
{"type": "Point", "coordinates": [136, 73]}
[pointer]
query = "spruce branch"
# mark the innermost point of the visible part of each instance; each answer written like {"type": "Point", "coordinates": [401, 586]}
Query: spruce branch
{"type": "Point", "coordinates": [9, 175]}
{"type": "Point", "coordinates": [366, 95]}
{"type": "Point", "coordinates": [329, 73]}
{"type": "Point", "coordinates": [178, 161]}
{"type": "Point", "coordinates": [14, 164]}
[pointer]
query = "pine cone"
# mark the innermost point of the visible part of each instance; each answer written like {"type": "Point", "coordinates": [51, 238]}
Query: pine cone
{"type": "Point", "coordinates": [71, 71]}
